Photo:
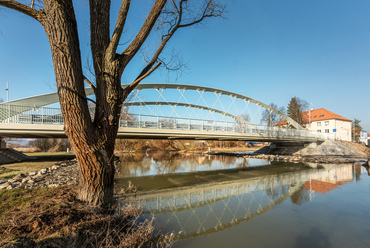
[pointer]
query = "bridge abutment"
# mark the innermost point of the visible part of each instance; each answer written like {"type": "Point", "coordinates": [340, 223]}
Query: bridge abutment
{"type": "Point", "coordinates": [318, 148]}
{"type": "Point", "coordinates": [288, 148]}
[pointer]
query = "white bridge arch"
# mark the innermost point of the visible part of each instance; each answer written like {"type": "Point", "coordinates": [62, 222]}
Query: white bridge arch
{"type": "Point", "coordinates": [217, 104]}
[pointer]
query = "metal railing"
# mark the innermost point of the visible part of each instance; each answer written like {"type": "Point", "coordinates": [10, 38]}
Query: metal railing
{"type": "Point", "coordinates": [176, 123]}
{"type": "Point", "coordinates": [44, 115]}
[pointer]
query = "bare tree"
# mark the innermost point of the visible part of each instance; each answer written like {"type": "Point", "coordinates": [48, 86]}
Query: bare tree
{"type": "Point", "coordinates": [270, 118]}
{"type": "Point", "coordinates": [93, 139]}
{"type": "Point", "coordinates": [243, 119]}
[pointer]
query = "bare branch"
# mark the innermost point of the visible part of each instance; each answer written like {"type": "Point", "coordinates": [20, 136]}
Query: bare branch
{"type": "Point", "coordinates": [137, 80]}
{"type": "Point", "coordinates": [89, 83]}
{"type": "Point", "coordinates": [121, 20]}
{"type": "Point", "coordinates": [180, 16]}
{"type": "Point", "coordinates": [210, 9]}
{"type": "Point", "coordinates": [11, 4]}
{"type": "Point", "coordinates": [145, 30]}
{"type": "Point", "coordinates": [132, 86]}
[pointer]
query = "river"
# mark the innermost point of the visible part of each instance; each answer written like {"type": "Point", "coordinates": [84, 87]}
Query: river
{"type": "Point", "coordinates": [223, 201]}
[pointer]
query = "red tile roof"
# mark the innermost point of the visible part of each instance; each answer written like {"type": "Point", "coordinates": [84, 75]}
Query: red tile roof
{"type": "Point", "coordinates": [316, 115]}
{"type": "Point", "coordinates": [320, 187]}
{"type": "Point", "coordinates": [320, 115]}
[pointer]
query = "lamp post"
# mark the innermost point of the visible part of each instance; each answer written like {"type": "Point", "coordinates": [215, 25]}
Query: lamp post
{"type": "Point", "coordinates": [7, 91]}
{"type": "Point", "coordinates": [7, 99]}
{"type": "Point", "coordinates": [309, 117]}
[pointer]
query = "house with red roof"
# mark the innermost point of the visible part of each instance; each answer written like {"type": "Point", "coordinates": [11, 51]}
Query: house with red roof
{"type": "Point", "coordinates": [324, 121]}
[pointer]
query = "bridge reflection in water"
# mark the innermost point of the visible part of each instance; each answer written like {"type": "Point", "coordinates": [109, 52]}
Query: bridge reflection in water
{"type": "Point", "coordinates": [209, 208]}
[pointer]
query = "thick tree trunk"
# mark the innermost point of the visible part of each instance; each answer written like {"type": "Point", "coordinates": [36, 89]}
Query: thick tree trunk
{"type": "Point", "coordinates": [93, 141]}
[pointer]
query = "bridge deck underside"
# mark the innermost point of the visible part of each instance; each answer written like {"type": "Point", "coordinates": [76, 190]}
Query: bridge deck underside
{"type": "Point", "coordinates": [17, 130]}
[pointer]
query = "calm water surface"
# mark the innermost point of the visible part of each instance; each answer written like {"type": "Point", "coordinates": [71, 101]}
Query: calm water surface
{"type": "Point", "coordinates": [219, 201]}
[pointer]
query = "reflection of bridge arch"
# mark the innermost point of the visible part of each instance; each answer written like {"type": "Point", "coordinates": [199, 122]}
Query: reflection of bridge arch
{"type": "Point", "coordinates": [47, 99]}
{"type": "Point", "coordinates": [189, 209]}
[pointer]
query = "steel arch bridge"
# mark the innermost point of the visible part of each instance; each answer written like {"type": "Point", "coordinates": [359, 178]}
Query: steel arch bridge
{"type": "Point", "coordinates": [158, 110]}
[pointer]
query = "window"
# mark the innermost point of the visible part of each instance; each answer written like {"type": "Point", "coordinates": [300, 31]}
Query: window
{"type": "Point", "coordinates": [326, 130]}
{"type": "Point", "coordinates": [321, 115]}
{"type": "Point", "coordinates": [319, 124]}
{"type": "Point", "coordinates": [326, 123]}
{"type": "Point", "coordinates": [319, 131]}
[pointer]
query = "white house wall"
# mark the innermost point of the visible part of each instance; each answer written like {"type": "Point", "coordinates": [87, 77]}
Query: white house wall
{"type": "Point", "coordinates": [337, 129]}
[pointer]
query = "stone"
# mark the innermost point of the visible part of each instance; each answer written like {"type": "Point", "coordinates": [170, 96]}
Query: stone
{"type": "Point", "coordinates": [32, 173]}
{"type": "Point", "coordinates": [52, 177]}
{"type": "Point", "coordinates": [20, 176]}
{"type": "Point", "coordinates": [26, 179]}
{"type": "Point", "coordinates": [53, 185]}
{"type": "Point", "coordinates": [13, 180]}
{"type": "Point", "coordinates": [10, 186]}
{"type": "Point", "coordinates": [4, 185]}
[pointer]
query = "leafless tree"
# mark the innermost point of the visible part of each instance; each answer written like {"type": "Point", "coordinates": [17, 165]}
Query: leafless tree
{"type": "Point", "coordinates": [93, 139]}
{"type": "Point", "coordinates": [270, 118]}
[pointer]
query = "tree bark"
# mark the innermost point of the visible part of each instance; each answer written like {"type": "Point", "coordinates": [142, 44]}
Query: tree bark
{"type": "Point", "coordinates": [93, 141]}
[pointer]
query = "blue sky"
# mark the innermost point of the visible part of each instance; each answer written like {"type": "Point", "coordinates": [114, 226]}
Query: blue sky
{"type": "Point", "coordinates": [266, 49]}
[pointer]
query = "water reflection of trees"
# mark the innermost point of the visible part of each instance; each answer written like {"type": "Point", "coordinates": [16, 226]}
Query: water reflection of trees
{"type": "Point", "coordinates": [300, 196]}
{"type": "Point", "coordinates": [163, 162]}
{"type": "Point", "coordinates": [275, 192]}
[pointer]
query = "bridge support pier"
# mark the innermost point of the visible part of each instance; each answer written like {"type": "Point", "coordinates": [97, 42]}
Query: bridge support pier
{"type": "Point", "coordinates": [2, 143]}
{"type": "Point", "coordinates": [287, 148]}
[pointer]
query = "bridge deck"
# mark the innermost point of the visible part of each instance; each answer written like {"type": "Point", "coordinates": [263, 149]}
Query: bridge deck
{"type": "Point", "coordinates": [20, 130]}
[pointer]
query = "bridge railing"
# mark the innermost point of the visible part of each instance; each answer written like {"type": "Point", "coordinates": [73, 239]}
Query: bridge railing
{"type": "Point", "coordinates": [45, 115]}
{"type": "Point", "coordinates": [30, 115]}
{"type": "Point", "coordinates": [178, 123]}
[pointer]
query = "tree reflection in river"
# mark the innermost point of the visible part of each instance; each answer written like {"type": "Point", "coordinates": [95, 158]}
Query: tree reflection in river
{"type": "Point", "coordinates": [161, 162]}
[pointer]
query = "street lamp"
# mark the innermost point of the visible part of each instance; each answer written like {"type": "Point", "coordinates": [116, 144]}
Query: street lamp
{"type": "Point", "coordinates": [7, 99]}
{"type": "Point", "coordinates": [7, 91]}
{"type": "Point", "coordinates": [309, 117]}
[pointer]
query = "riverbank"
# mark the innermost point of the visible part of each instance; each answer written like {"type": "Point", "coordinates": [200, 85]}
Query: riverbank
{"type": "Point", "coordinates": [40, 209]}
{"type": "Point", "coordinates": [329, 152]}
{"type": "Point", "coordinates": [53, 217]}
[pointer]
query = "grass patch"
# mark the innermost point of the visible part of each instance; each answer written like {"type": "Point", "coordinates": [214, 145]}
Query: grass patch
{"type": "Point", "coordinates": [55, 218]}
{"type": "Point", "coordinates": [4, 170]}
{"type": "Point", "coordinates": [11, 170]}
{"type": "Point", "coordinates": [15, 199]}
{"type": "Point", "coordinates": [43, 154]}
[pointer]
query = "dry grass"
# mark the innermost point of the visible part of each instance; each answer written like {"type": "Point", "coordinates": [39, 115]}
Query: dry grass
{"type": "Point", "coordinates": [27, 149]}
{"type": "Point", "coordinates": [55, 218]}
{"type": "Point", "coordinates": [39, 154]}
{"type": "Point", "coordinates": [23, 167]}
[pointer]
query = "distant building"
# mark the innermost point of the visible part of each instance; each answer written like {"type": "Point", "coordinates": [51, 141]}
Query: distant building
{"type": "Point", "coordinates": [321, 120]}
